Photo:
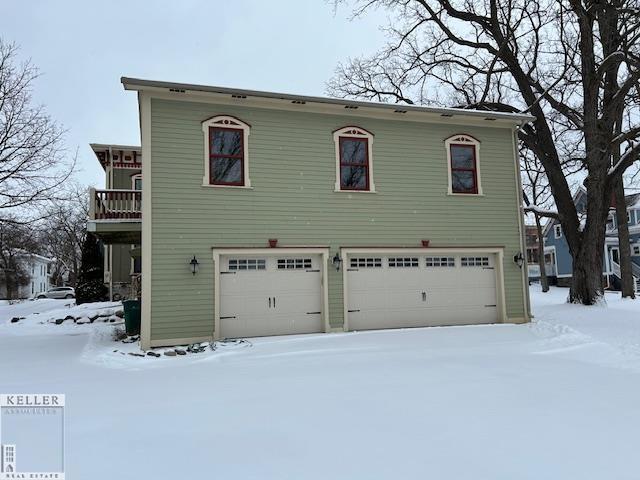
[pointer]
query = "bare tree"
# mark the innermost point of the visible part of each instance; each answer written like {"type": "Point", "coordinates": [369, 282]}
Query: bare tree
{"type": "Point", "coordinates": [573, 64]}
{"type": "Point", "coordinates": [536, 191]}
{"type": "Point", "coordinates": [32, 164]}
{"type": "Point", "coordinates": [64, 229]}
{"type": "Point", "coordinates": [16, 243]}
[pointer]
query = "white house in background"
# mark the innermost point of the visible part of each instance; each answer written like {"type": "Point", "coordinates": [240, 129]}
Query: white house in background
{"type": "Point", "coordinates": [38, 269]}
{"type": "Point", "coordinates": [8, 459]}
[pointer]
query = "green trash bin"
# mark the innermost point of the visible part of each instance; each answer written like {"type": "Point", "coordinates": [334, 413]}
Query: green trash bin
{"type": "Point", "coordinates": [132, 316]}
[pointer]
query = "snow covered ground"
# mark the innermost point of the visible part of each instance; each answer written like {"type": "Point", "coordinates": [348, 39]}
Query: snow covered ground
{"type": "Point", "coordinates": [556, 399]}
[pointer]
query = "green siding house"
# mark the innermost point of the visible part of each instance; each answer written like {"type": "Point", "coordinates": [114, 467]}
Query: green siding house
{"type": "Point", "coordinates": [270, 214]}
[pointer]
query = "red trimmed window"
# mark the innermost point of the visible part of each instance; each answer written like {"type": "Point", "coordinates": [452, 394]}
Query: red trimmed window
{"type": "Point", "coordinates": [354, 163]}
{"type": "Point", "coordinates": [226, 156]}
{"type": "Point", "coordinates": [464, 169]}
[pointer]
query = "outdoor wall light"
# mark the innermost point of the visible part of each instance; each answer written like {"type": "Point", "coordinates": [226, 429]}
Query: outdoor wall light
{"type": "Point", "coordinates": [194, 265]}
{"type": "Point", "coordinates": [518, 259]}
{"type": "Point", "coordinates": [336, 261]}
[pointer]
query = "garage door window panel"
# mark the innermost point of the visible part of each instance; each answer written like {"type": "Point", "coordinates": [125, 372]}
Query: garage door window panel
{"type": "Point", "coordinates": [403, 262]}
{"type": "Point", "coordinates": [247, 264]}
{"type": "Point", "coordinates": [294, 263]}
{"type": "Point", "coordinates": [474, 261]}
{"type": "Point", "coordinates": [366, 262]}
{"type": "Point", "coordinates": [440, 262]}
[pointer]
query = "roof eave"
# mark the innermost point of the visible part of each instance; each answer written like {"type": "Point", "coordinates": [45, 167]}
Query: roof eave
{"type": "Point", "coordinates": [153, 85]}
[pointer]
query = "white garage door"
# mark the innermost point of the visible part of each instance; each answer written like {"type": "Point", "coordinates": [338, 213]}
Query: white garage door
{"type": "Point", "coordinates": [406, 290]}
{"type": "Point", "coordinates": [269, 295]}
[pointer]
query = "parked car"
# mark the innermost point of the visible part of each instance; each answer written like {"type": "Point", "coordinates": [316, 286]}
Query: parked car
{"type": "Point", "coordinates": [58, 292]}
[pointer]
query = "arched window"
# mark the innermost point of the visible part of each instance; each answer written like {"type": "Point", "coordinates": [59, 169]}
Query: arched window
{"type": "Point", "coordinates": [463, 165]}
{"type": "Point", "coordinates": [354, 160]}
{"type": "Point", "coordinates": [226, 155]}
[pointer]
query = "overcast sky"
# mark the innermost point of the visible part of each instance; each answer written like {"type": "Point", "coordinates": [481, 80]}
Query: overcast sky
{"type": "Point", "coordinates": [83, 47]}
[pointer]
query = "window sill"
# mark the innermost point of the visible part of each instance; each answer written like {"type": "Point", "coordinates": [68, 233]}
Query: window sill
{"type": "Point", "coordinates": [241, 187]}
{"type": "Point", "coordinates": [465, 194]}
{"type": "Point", "coordinates": [354, 191]}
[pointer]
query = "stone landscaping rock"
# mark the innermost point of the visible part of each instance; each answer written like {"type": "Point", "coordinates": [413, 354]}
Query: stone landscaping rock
{"type": "Point", "coordinates": [119, 313]}
{"type": "Point", "coordinates": [93, 318]}
{"type": "Point", "coordinates": [180, 352]}
{"type": "Point", "coordinates": [195, 348]}
{"type": "Point", "coordinates": [170, 353]}
{"type": "Point", "coordinates": [15, 319]}
{"type": "Point", "coordinates": [136, 354]}
{"type": "Point", "coordinates": [59, 321]}
{"type": "Point", "coordinates": [83, 320]}
{"type": "Point", "coordinates": [153, 354]}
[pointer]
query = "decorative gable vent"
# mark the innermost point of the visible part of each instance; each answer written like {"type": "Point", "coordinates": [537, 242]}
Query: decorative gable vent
{"type": "Point", "coordinates": [354, 132]}
{"type": "Point", "coordinates": [464, 139]}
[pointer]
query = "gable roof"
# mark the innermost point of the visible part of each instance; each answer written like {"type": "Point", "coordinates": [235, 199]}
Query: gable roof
{"type": "Point", "coordinates": [305, 102]}
{"type": "Point", "coordinates": [631, 200]}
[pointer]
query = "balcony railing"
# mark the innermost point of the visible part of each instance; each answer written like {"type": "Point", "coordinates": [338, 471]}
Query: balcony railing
{"type": "Point", "coordinates": [115, 204]}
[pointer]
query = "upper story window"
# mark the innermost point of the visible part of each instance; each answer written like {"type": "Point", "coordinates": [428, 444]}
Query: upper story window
{"type": "Point", "coordinates": [557, 231]}
{"type": "Point", "coordinates": [463, 164]}
{"type": "Point", "coordinates": [354, 161]}
{"type": "Point", "coordinates": [226, 159]}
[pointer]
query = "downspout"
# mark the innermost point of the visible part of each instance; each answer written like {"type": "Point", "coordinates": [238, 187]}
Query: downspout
{"type": "Point", "coordinates": [523, 243]}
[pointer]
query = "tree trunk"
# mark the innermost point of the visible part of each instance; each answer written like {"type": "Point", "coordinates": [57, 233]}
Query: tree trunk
{"type": "Point", "coordinates": [11, 286]}
{"type": "Point", "coordinates": [587, 285]}
{"type": "Point", "coordinates": [544, 281]}
{"type": "Point", "coordinates": [627, 288]}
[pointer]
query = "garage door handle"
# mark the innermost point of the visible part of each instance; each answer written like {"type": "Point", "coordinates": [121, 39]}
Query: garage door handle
{"type": "Point", "coordinates": [490, 305]}
{"type": "Point", "coordinates": [269, 302]}
{"type": "Point", "coordinates": [352, 311]}
{"type": "Point", "coordinates": [424, 296]}
{"type": "Point", "coordinates": [274, 302]}
{"type": "Point", "coordinates": [312, 271]}
{"type": "Point", "coordinates": [224, 318]}
{"type": "Point", "coordinates": [314, 313]}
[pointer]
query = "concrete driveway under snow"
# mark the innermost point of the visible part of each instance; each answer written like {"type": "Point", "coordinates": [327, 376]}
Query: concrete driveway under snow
{"type": "Point", "coordinates": [556, 399]}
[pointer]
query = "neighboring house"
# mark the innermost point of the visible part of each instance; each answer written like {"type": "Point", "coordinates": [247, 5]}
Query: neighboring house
{"type": "Point", "coordinates": [123, 172]}
{"type": "Point", "coordinates": [532, 251]}
{"type": "Point", "coordinates": [268, 214]}
{"type": "Point", "coordinates": [558, 257]}
{"type": "Point", "coordinates": [37, 267]}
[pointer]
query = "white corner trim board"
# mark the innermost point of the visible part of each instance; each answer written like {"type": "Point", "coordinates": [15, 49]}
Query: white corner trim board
{"type": "Point", "coordinates": [147, 254]}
